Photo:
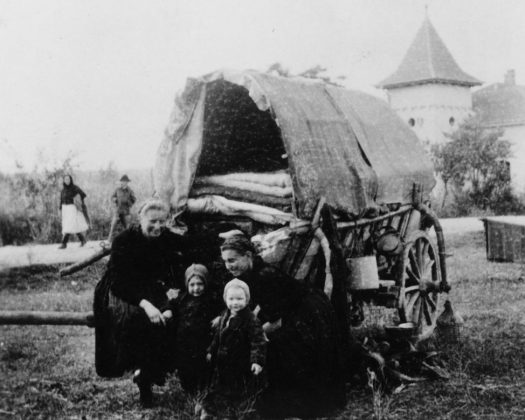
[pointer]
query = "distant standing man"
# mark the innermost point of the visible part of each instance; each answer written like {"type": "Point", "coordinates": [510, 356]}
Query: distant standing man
{"type": "Point", "coordinates": [123, 199]}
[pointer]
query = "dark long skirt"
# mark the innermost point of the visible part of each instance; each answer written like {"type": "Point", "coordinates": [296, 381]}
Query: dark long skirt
{"type": "Point", "coordinates": [305, 368]}
{"type": "Point", "coordinates": [125, 340]}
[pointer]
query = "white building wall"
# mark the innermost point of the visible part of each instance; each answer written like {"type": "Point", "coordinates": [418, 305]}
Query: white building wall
{"type": "Point", "coordinates": [431, 107]}
{"type": "Point", "coordinates": [516, 135]}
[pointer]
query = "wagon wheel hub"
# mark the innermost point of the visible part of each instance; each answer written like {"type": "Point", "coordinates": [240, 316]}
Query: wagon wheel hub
{"type": "Point", "coordinates": [420, 283]}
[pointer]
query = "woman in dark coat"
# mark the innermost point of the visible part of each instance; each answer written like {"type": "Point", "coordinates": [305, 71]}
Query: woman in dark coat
{"type": "Point", "coordinates": [131, 308]}
{"type": "Point", "coordinates": [73, 218]}
{"type": "Point", "coordinates": [304, 362]}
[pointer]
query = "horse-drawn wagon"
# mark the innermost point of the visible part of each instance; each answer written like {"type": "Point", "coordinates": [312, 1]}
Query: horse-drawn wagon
{"type": "Point", "coordinates": [330, 184]}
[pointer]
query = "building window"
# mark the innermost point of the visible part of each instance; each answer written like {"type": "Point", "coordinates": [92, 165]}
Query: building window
{"type": "Point", "coordinates": [411, 122]}
{"type": "Point", "coordinates": [452, 121]}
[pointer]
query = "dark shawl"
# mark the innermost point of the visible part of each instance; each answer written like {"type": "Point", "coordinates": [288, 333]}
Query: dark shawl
{"type": "Point", "coordinates": [69, 192]}
{"type": "Point", "coordinates": [138, 269]}
{"type": "Point", "coordinates": [141, 268]}
{"type": "Point", "coordinates": [275, 292]}
{"type": "Point", "coordinates": [305, 364]}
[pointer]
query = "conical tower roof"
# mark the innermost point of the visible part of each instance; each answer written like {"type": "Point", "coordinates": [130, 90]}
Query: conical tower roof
{"type": "Point", "coordinates": [428, 60]}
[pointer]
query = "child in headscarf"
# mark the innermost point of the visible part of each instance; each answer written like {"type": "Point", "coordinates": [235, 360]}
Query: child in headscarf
{"type": "Point", "coordinates": [238, 354]}
{"type": "Point", "coordinates": [193, 312]}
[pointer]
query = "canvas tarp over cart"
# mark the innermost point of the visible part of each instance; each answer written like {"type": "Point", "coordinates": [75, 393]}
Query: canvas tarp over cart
{"type": "Point", "coordinates": [333, 174]}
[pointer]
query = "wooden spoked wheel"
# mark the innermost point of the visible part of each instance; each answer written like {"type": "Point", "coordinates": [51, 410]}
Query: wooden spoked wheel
{"type": "Point", "coordinates": [420, 279]}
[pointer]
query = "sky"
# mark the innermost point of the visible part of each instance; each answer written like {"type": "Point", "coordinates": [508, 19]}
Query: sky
{"type": "Point", "coordinates": [98, 78]}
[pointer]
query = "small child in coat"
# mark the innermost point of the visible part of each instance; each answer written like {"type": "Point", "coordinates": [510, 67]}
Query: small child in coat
{"type": "Point", "coordinates": [238, 353]}
{"type": "Point", "coordinates": [193, 312]}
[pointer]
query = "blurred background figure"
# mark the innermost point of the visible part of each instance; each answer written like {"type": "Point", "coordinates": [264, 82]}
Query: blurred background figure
{"type": "Point", "coordinates": [73, 211]}
{"type": "Point", "coordinates": [123, 199]}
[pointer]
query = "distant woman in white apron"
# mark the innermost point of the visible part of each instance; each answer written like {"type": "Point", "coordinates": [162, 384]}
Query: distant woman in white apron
{"type": "Point", "coordinates": [73, 219]}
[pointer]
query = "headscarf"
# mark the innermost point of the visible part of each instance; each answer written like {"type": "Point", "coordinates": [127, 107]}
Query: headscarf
{"type": "Point", "coordinates": [237, 284]}
{"type": "Point", "coordinates": [239, 243]}
{"type": "Point", "coordinates": [70, 178]}
{"type": "Point", "coordinates": [196, 270]}
{"type": "Point", "coordinates": [68, 191]}
{"type": "Point", "coordinates": [71, 185]}
{"type": "Point", "coordinates": [231, 233]}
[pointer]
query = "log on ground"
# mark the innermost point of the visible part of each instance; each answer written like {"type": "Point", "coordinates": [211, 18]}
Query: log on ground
{"type": "Point", "coordinates": [46, 318]}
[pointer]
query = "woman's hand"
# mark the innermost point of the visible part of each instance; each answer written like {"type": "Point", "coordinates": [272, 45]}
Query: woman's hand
{"type": "Point", "coordinates": [328, 285]}
{"type": "Point", "coordinates": [270, 327]}
{"type": "Point", "coordinates": [152, 312]}
{"type": "Point", "coordinates": [256, 368]}
{"type": "Point", "coordinates": [173, 294]}
{"type": "Point", "coordinates": [167, 314]}
{"type": "Point", "coordinates": [208, 357]}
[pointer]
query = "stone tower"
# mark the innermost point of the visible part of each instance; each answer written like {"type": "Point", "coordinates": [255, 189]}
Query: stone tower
{"type": "Point", "coordinates": [429, 90]}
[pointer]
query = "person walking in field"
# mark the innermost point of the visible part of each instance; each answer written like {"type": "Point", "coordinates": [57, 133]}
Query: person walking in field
{"type": "Point", "coordinates": [73, 211]}
{"type": "Point", "coordinates": [123, 199]}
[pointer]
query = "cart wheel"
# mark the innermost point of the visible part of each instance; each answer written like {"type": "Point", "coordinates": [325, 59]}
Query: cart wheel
{"type": "Point", "coordinates": [419, 278]}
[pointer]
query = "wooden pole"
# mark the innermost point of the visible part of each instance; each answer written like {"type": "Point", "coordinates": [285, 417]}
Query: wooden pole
{"type": "Point", "coordinates": [73, 268]}
{"type": "Point", "coordinates": [46, 318]}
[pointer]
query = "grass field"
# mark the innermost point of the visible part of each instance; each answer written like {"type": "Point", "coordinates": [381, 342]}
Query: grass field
{"type": "Point", "coordinates": [48, 372]}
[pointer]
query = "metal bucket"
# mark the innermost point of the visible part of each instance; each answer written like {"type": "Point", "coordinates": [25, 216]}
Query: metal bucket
{"type": "Point", "coordinates": [363, 273]}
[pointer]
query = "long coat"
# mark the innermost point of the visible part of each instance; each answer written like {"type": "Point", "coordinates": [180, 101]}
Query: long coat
{"type": "Point", "coordinates": [123, 198]}
{"type": "Point", "coordinates": [305, 362]}
{"type": "Point", "coordinates": [139, 268]}
{"type": "Point", "coordinates": [192, 316]}
{"type": "Point", "coordinates": [238, 343]}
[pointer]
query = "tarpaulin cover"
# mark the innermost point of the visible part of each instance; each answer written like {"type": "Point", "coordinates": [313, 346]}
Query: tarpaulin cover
{"type": "Point", "coordinates": [346, 146]}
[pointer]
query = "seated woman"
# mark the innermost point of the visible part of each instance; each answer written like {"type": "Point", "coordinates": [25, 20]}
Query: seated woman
{"type": "Point", "coordinates": [304, 363]}
{"type": "Point", "coordinates": [131, 303]}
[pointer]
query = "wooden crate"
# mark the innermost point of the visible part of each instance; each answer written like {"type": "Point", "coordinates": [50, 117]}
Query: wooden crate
{"type": "Point", "coordinates": [505, 238]}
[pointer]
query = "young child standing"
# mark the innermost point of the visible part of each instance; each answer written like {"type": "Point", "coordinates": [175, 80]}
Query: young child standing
{"type": "Point", "coordinates": [193, 311]}
{"type": "Point", "coordinates": [238, 353]}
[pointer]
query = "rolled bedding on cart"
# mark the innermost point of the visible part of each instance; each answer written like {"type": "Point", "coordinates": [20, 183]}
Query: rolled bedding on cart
{"type": "Point", "coordinates": [273, 189]}
{"type": "Point", "coordinates": [217, 205]}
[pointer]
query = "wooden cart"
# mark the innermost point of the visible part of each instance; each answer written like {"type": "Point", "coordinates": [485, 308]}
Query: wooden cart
{"type": "Point", "coordinates": [357, 173]}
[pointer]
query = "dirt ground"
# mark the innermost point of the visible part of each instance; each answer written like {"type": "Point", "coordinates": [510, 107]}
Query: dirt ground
{"type": "Point", "coordinates": [48, 372]}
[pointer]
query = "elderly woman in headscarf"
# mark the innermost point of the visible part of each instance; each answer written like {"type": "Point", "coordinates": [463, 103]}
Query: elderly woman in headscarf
{"type": "Point", "coordinates": [71, 205]}
{"type": "Point", "coordinates": [304, 355]}
{"type": "Point", "coordinates": [131, 301]}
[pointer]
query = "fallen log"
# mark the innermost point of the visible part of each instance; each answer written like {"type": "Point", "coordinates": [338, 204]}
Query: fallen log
{"type": "Point", "coordinates": [46, 318]}
{"type": "Point", "coordinates": [73, 268]}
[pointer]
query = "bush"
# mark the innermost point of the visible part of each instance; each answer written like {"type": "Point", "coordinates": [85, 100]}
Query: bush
{"type": "Point", "coordinates": [29, 201]}
{"type": "Point", "coordinates": [472, 166]}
